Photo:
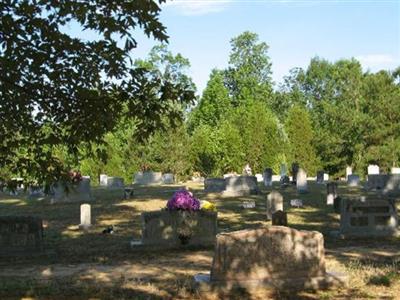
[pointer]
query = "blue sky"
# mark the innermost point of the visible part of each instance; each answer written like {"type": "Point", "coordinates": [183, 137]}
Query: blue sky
{"type": "Point", "coordinates": [295, 31]}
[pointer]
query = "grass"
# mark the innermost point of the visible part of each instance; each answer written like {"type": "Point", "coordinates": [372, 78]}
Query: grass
{"type": "Point", "coordinates": [92, 265]}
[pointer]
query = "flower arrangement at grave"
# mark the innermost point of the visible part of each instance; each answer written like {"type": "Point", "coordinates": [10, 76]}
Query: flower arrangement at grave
{"type": "Point", "coordinates": [186, 204]}
{"type": "Point", "coordinates": [75, 177]}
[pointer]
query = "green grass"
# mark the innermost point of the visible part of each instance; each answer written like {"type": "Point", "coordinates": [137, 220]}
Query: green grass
{"type": "Point", "coordinates": [82, 265]}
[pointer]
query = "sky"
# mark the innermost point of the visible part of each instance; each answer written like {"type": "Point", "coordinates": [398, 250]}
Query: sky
{"type": "Point", "coordinates": [295, 31]}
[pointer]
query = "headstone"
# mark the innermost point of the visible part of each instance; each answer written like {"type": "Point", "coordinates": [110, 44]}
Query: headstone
{"type": "Point", "coordinates": [337, 205]}
{"type": "Point", "coordinates": [320, 177]}
{"type": "Point", "coordinates": [368, 218]}
{"type": "Point", "coordinates": [85, 217]}
{"type": "Point", "coordinates": [268, 177]}
{"type": "Point", "coordinates": [35, 191]}
{"type": "Point", "coordinates": [373, 169]}
{"type": "Point", "coordinates": [387, 183]}
{"type": "Point", "coordinates": [296, 203]}
{"type": "Point", "coordinates": [214, 185]}
{"type": "Point", "coordinates": [168, 178]}
{"type": "Point", "coordinates": [301, 181]}
{"type": "Point", "coordinates": [279, 218]}
{"type": "Point", "coordinates": [353, 180]}
{"type": "Point", "coordinates": [115, 182]}
{"type": "Point", "coordinates": [277, 256]}
{"type": "Point", "coordinates": [276, 178]}
{"type": "Point", "coordinates": [283, 170]}
{"type": "Point", "coordinates": [77, 192]}
{"type": "Point", "coordinates": [326, 177]}
{"type": "Point", "coordinates": [274, 203]}
{"type": "Point", "coordinates": [148, 178]}
{"type": "Point", "coordinates": [240, 186]}
{"type": "Point", "coordinates": [230, 175]}
{"type": "Point", "coordinates": [20, 235]}
{"type": "Point", "coordinates": [285, 181]}
{"type": "Point", "coordinates": [395, 170]}
{"type": "Point", "coordinates": [103, 179]}
{"type": "Point", "coordinates": [331, 192]}
{"type": "Point", "coordinates": [175, 228]}
{"type": "Point", "coordinates": [260, 177]}
{"type": "Point", "coordinates": [349, 171]}
{"type": "Point", "coordinates": [295, 169]}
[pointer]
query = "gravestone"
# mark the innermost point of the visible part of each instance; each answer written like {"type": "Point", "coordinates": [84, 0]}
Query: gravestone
{"type": "Point", "coordinates": [387, 183]}
{"type": "Point", "coordinates": [368, 218]}
{"type": "Point", "coordinates": [283, 170]}
{"type": "Point", "coordinates": [35, 191]}
{"type": "Point", "coordinates": [85, 217]}
{"type": "Point", "coordinates": [20, 235]}
{"type": "Point", "coordinates": [240, 186]}
{"type": "Point", "coordinates": [168, 178]}
{"type": "Point", "coordinates": [115, 182]}
{"type": "Point", "coordinates": [331, 192]}
{"type": "Point", "coordinates": [349, 171]}
{"type": "Point", "coordinates": [260, 177]}
{"type": "Point", "coordinates": [326, 177]}
{"type": "Point", "coordinates": [395, 170]}
{"type": "Point", "coordinates": [279, 218]}
{"type": "Point", "coordinates": [68, 192]}
{"type": "Point", "coordinates": [320, 177]}
{"type": "Point", "coordinates": [301, 181]}
{"type": "Point", "coordinates": [274, 203]}
{"type": "Point", "coordinates": [214, 185]}
{"type": "Point", "coordinates": [276, 178]}
{"type": "Point", "coordinates": [373, 169]}
{"type": "Point", "coordinates": [176, 228]}
{"type": "Point", "coordinates": [148, 178]}
{"type": "Point", "coordinates": [353, 180]}
{"type": "Point", "coordinates": [248, 204]}
{"type": "Point", "coordinates": [337, 205]}
{"type": "Point", "coordinates": [268, 177]}
{"type": "Point", "coordinates": [103, 180]}
{"type": "Point", "coordinates": [295, 169]}
{"type": "Point", "coordinates": [296, 203]}
{"type": "Point", "coordinates": [273, 256]}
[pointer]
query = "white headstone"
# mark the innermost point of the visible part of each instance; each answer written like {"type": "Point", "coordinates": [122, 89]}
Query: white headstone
{"type": "Point", "coordinates": [259, 177]}
{"type": "Point", "coordinates": [85, 217]}
{"type": "Point", "coordinates": [326, 177]}
{"type": "Point", "coordinates": [301, 181]}
{"type": "Point", "coordinates": [274, 203]}
{"type": "Point", "coordinates": [349, 171]}
{"type": "Point", "coordinates": [373, 170]}
{"type": "Point", "coordinates": [395, 170]}
{"type": "Point", "coordinates": [103, 179]}
{"type": "Point", "coordinates": [276, 178]}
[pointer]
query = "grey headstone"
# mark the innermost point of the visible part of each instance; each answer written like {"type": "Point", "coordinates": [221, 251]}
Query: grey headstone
{"type": "Point", "coordinates": [214, 185]}
{"type": "Point", "coordinates": [78, 192]}
{"type": "Point", "coordinates": [268, 177]}
{"type": "Point", "coordinates": [296, 203]}
{"type": "Point", "coordinates": [274, 203]}
{"type": "Point", "coordinates": [301, 181]}
{"type": "Point", "coordinates": [168, 178]}
{"type": "Point", "coordinates": [115, 182]}
{"type": "Point", "coordinates": [320, 177]}
{"type": "Point", "coordinates": [353, 180]}
{"type": "Point", "coordinates": [148, 178]}
{"type": "Point", "coordinates": [240, 185]}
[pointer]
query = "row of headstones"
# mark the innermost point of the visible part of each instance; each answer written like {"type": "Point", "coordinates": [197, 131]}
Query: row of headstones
{"type": "Point", "coordinates": [372, 170]}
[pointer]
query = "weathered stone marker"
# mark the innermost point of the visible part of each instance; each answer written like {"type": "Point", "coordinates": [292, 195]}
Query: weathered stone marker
{"type": "Point", "coordinates": [168, 178]}
{"type": "Point", "coordinates": [85, 217]}
{"type": "Point", "coordinates": [214, 185]}
{"type": "Point", "coordinates": [331, 192]}
{"type": "Point", "coordinates": [295, 169]}
{"type": "Point", "coordinates": [148, 178]}
{"type": "Point", "coordinates": [274, 203]}
{"type": "Point", "coordinates": [279, 218]}
{"type": "Point", "coordinates": [103, 180]}
{"type": "Point", "coordinates": [301, 181]}
{"type": "Point", "coordinates": [373, 170]}
{"type": "Point", "coordinates": [349, 171]}
{"type": "Point", "coordinates": [274, 256]}
{"type": "Point", "coordinates": [20, 235]}
{"type": "Point", "coordinates": [240, 186]}
{"type": "Point", "coordinates": [77, 192]}
{"type": "Point", "coordinates": [268, 177]}
{"type": "Point", "coordinates": [115, 182]}
{"type": "Point", "coordinates": [368, 218]}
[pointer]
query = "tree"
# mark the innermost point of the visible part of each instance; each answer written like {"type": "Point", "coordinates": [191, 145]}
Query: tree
{"type": "Point", "coordinates": [249, 74]}
{"type": "Point", "coordinates": [300, 134]}
{"type": "Point", "coordinates": [213, 104]}
{"type": "Point", "coordinates": [59, 90]}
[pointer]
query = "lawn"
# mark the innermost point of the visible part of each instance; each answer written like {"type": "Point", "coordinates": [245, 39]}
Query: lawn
{"type": "Point", "coordinates": [93, 265]}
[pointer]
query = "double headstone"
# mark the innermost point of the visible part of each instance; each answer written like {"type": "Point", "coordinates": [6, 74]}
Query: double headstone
{"type": "Point", "coordinates": [277, 256]}
{"type": "Point", "coordinates": [274, 203]}
{"type": "Point", "coordinates": [301, 181]}
{"type": "Point", "coordinates": [240, 186]}
{"type": "Point", "coordinates": [72, 192]}
{"type": "Point", "coordinates": [148, 178]}
{"type": "Point", "coordinates": [368, 218]}
{"type": "Point", "coordinates": [268, 177]}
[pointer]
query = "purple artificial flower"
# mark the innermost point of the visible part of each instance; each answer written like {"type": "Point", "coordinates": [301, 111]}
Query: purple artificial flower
{"type": "Point", "coordinates": [183, 200]}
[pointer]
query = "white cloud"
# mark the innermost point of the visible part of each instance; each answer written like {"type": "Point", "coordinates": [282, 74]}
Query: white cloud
{"type": "Point", "coordinates": [198, 7]}
{"type": "Point", "coordinates": [377, 60]}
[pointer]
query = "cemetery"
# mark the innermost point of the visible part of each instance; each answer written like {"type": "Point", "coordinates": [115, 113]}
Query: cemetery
{"type": "Point", "coordinates": [158, 149]}
{"type": "Point", "coordinates": [200, 248]}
